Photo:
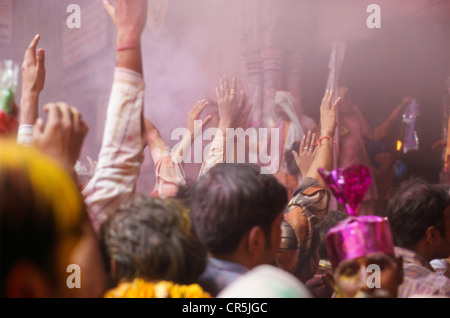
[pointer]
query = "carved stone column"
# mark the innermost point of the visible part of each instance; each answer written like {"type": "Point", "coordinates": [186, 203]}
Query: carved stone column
{"type": "Point", "coordinates": [273, 69]}
{"type": "Point", "coordinates": [255, 86]}
{"type": "Point", "coordinates": [293, 73]}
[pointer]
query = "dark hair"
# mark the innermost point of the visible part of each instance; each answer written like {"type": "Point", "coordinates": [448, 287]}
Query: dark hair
{"type": "Point", "coordinates": [329, 220]}
{"type": "Point", "coordinates": [153, 239]}
{"type": "Point", "coordinates": [413, 208]}
{"type": "Point", "coordinates": [230, 199]}
{"type": "Point", "coordinates": [40, 205]}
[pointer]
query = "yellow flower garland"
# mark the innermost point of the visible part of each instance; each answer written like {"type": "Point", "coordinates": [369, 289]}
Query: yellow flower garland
{"type": "Point", "coordinates": [140, 288]}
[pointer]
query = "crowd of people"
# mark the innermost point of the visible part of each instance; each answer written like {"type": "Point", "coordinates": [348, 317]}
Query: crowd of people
{"type": "Point", "coordinates": [233, 232]}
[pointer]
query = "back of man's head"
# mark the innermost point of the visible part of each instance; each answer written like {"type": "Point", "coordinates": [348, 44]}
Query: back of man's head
{"type": "Point", "coordinates": [413, 208]}
{"type": "Point", "coordinates": [229, 200]}
{"type": "Point", "coordinates": [153, 239]}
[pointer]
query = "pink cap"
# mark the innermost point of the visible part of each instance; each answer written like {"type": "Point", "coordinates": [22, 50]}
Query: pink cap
{"type": "Point", "coordinates": [358, 236]}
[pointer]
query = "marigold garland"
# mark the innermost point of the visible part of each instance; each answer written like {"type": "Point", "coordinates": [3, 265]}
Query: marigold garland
{"type": "Point", "coordinates": [140, 288]}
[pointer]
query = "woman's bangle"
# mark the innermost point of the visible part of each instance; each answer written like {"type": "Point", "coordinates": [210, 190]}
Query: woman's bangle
{"type": "Point", "coordinates": [319, 142]}
{"type": "Point", "coordinates": [129, 47]}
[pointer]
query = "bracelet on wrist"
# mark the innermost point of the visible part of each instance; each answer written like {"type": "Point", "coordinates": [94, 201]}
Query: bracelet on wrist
{"type": "Point", "coordinates": [128, 47]}
{"type": "Point", "coordinates": [319, 142]}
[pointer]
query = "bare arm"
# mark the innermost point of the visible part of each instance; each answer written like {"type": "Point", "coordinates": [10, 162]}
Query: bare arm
{"type": "Point", "coordinates": [324, 151]}
{"type": "Point", "coordinates": [366, 129]}
{"type": "Point", "coordinates": [306, 153]}
{"type": "Point", "coordinates": [62, 136]}
{"type": "Point", "coordinates": [233, 113]}
{"type": "Point", "coordinates": [382, 130]}
{"type": "Point", "coordinates": [194, 115]}
{"type": "Point", "coordinates": [130, 18]}
{"type": "Point", "coordinates": [33, 80]}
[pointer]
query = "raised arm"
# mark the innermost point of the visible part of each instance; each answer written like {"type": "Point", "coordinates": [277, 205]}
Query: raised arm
{"type": "Point", "coordinates": [306, 153]}
{"type": "Point", "coordinates": [33, 80]}
{"type": "Point", "coordinates": [233, 112]}
{"type": "Point", "coordinates": [62, 136]}
{"type": "Point", "coordinates": [168, 173]}
{"type": "Point", "coordinates": [324, 152]}
{"type": "Point", "coordinates": [129, 18]}
{"type": "Point", "coordinates": [382, 130]}
{"type": "Point", "coordinates": [121, 154]}
{"type": "Point", "coordinates": [188, 139]}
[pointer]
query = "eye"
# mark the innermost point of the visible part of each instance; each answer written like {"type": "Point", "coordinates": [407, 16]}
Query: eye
{"type": "Point", "coordinates": [349, 270]}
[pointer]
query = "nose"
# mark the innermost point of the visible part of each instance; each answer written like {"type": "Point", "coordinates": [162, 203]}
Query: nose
{"type": "Point", "coordinates": [363, 275]}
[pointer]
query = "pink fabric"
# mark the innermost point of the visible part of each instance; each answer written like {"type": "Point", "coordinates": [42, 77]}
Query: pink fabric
{"type": "Point", "coordinates": [358, 236]}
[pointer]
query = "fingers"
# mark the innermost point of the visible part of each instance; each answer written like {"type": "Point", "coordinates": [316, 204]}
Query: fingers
{"type": "Point", "coordinates": [336, 103]}
{"type": "Point", "coordinates": [199, 107]}
{"type": "Point", "coordinates": [313, 144]}
{"type": "Point", "coordinates": [54, 115]}
{"type": "Point", "coordinates": [30, 53]}
{"type": "Point", "coordinates": [308, 141]}
{"type": "Point", "coordinates": [233, 87]}
{"type": "Point", "coordinates": [303, 143]}
{"type": "Point", "coordinates": [66, 114]}
{"type": "Point", "coordinates": [40, 56]}
{"type": "Point", "coordinates": [109, 10]}
{"type": "Point", "coordinates": [296, 156]}
{"type": "Point", "coordinates": [206, 120]}
{"type": "Point", "coordinates": [61, 114]}
{"type": "Point", "coordinates": [38, 128]}
{"type": "Point", "coordinates": [242, 102]}
{"type": "Point", "coordinates": [226, 86]}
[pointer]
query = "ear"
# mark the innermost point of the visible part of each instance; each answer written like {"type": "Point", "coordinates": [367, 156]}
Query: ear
{"type": "Point", "coordinates": [256, 241]}
{"type": "Point", "coordinates": [433, 235]}
{"type": "Point", "coordinates": [26, 280]}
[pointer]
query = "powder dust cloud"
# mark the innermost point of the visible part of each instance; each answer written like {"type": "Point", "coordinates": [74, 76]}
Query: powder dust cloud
{"type": "Point", "coordinates": [189, 44]}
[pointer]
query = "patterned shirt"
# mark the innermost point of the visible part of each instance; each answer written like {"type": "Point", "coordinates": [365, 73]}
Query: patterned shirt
{"type": "Point", "coordinates": [121, 153]}
{"type": "Point", "coordinates": [169, 174]}
{"type": "Point", "coordinates": [419, 278]}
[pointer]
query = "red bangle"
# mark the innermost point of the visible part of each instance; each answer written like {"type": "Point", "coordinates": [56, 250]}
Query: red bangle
{"type": "Point", "coordinates": [319, 142]}
{"type": "Point", "coordinates": [130, 47]}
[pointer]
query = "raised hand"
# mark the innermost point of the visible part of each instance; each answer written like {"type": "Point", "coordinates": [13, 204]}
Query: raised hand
{"type": "Point", "coordinates": [62, 136]}
{"type": "Point", "coordinates": [328, 112]}
{"type": "Point", "coordinates": [130, 18]}
{"type": "Point", "coordinates": [232, 108]}
{"type": "Point", "coordinates": [194, 114]}
{"type": "Point", "coordinates": [152, 135]}
{"type": "Point", "coordinates": [33, 68]}
{"type": "Point", "coordinates": [33, 80]}
{"type": "Point", "coordinates": [306, 152]}
{"type": "Point", "coordinates": [323, 157]}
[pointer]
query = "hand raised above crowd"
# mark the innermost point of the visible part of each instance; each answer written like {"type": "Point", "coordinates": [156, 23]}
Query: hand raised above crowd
{"type": "Point", "coordinates": [328, 111]}
{"type": "Point", "coordinates": [129, 18]}
{"type": "Point", "coordinates": [62, 136]}
{"type": "Point", "coordinates": [306, 152]}
{"type": "Point", "coordinates": [33, 80]}
{"type": "Point", "coordinates": [194, 114]}
{"type": "Point", "coordinates": [233, 109]}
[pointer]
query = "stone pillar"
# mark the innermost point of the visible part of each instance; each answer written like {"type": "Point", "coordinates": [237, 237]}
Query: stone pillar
{"type": "Point", "coordinates": [293, 74]}
{"type": "Point", "coordinates": [273, 69]}
{"type": "Point", "coordinates": [255, 86]}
